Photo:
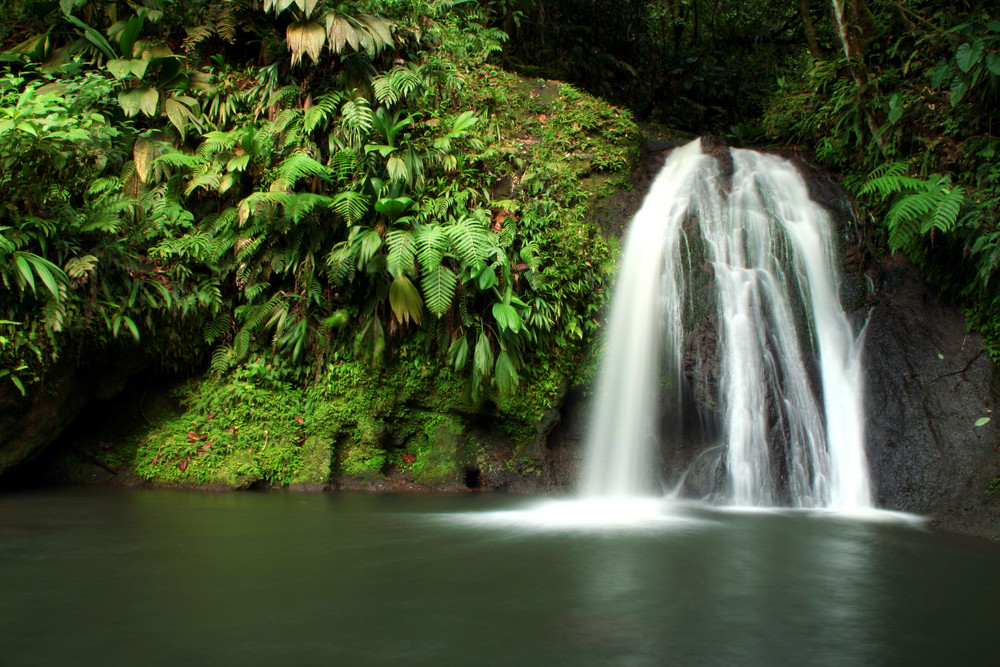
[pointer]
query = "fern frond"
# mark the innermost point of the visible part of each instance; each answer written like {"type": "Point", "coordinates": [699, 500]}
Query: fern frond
{"type": "Point", "coordinates": [301, 204]}
{"type": "Point", "coordinates": [299, 165]}
{"type": "Point", "coordinates": [342, 163]}
{"type": "Point", "coordinates": [357, 120]}
{"type": "Point", "coordinates": [353, 206]}
{"type": "Point", "coordinates": [281, 95]}
{"type": "Point", "coordinates": [218, 141]}
{"type": "Point", "coordinates": [214, 328]}
{"type": "Point", "coordinates": [223, 358]}
{"type": "Point", "coordinates": [183, 160]}
{"type": "Point", "coordinates": [432, 243]}
{"type": "Point", "coordinates": [402, 251]}
{"type": "Point", "coordinates": [946, 212]}
{"type": "Point", "coordinates": [905, 217]}
{"type": "Point", "coordinates": [439, 289]}
{"type": "Point", "coordinates": [470, 240]}
{"type": "Point", "coordinates": [324, 107]}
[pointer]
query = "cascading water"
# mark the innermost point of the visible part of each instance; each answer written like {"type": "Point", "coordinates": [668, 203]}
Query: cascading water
{"type": "Point", "coordinates": [771, 254]}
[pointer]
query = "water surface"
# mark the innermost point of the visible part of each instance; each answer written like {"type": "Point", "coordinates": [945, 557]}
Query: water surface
{"type": "Point", "coordinates": [120, 577]}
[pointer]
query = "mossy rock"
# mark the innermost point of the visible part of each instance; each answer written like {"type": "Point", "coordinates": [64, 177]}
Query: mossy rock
{"type": "Point", "coordinates": [362, 459]}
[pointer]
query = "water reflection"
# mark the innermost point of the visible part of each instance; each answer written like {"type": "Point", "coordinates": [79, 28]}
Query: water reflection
{"type": "Point", "coordinates": [153, 578]}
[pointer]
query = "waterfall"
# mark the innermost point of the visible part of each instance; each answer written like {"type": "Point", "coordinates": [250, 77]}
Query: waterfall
{"type": "Point", "coordinates": [789, 436]}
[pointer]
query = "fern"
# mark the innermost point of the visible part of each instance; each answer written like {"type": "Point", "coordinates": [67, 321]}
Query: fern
{"type": "Point", "coordinates": [439, 289]}
{"type": "Point", "coordinates": [214, 328]}
{"type": "Point", "coordinates": [432, 243]}
{"type": "Point", "coordinates": [396, 84]}
{"type": "Point", "coordinates": [223, 358]}
{"type": "Point", "coordinates": [402, 251]}
{"type": "Point", "coordinates": [946, 213]}
{"type": "Point", "coordinates": [357, 120]}
{"type": "Point", "coordinates": [299, 165]}
{"type": "Point", "coordinates": [324, 108]}
{"type": "Point", "coordinates": [470, 240]}
{"type": "Point", "coordinates": [920, 205]}
{"type": "Point", "coordinates": [343, 163]}
{"type": "Point", "coordinates": [302, 204]}
{"type": "Point", "coordinates": [353, 206]}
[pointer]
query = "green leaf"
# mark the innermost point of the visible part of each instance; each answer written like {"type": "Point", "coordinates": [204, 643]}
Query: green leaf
{"type": "Point", "coordinates": [67, 6]}
{"type": "Point", "coordinates": [93, 36]}
{"type": "Point", "coordinates": [506, 374]}
{"type": "Point", "coordinates": [458, 353]}
{"type": "Point", "coordinates": [482, 358]}
{"type": "Point", "coordinates": [178, 114]}
{"type": "Point", "coordinates": [958, 90]}
{"type": "Point", "coordinates": [370, 243]}
{"type": "Point", "coordinates": [895, 108]}
{"type": "Point", "coordinates": [941, 72]}
{"type": "Point", "coordinates": [404, 298]}
{"type": "Point", "coordinates": [487, 278]}
{"type": "Point", "coordinates": [982, 421]}
{"type": "Point", "coordinates": [463, 123]}
{"type": "Point", "coordinates": [126, 40]}
{"type": "Point", "coordinates": [135, 100]}
{"type": "Point", "coordinates": [47, 272]}
{"type": "Point", "coordinates": [393, 208]}
{"type": "Point", "coordinates": [25, 274]}
{"type": "Point", "coordinates": [131, 327]}
{"type": "Point", "coordinates": [993, 63]}
{"type": "Point", "coordinates": [120, 68]}
{"type": "Point", "coordinates": [968, 55]}
{"type": "Point", "coordinates": [507, 317]}
{"type": "Point", "coordinates": [238, 163]}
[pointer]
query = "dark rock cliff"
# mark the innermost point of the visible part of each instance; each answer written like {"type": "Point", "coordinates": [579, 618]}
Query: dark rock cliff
{"type": "Point", "coordinates": [928, 383]}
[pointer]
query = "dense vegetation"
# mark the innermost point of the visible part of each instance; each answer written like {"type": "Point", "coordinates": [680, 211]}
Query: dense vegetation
{"type": "Point", "coordinates": [900, 95]}
{"type": "Point", "coordinates": [283, 191]}
{"type": "Point", "coordinates": [318, 200]}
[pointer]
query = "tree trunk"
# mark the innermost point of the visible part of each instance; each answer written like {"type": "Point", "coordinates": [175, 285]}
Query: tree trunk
{"type": "Point", "coordinates": [847, 28]}
{"type": "Point", "coordinates": [810, 30]}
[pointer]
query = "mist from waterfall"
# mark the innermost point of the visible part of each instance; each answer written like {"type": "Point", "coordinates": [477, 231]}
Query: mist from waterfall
{"type": "Point", "coordinates": [790, 437]}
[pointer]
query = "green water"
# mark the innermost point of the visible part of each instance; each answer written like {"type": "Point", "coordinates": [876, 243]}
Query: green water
{"type": "Point", "coordinates": [124, 577]}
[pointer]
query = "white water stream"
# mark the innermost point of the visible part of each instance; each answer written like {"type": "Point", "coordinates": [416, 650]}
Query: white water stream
{"type": "Point", "coordinates": [789, 440]}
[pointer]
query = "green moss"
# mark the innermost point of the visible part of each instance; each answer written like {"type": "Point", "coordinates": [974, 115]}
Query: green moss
{"type": "Point", "coordinates": [439, 450]}
{"type": "Point", "coordinates": [314, 461]}
{"type": "Point", "coordinates": [362, 459]}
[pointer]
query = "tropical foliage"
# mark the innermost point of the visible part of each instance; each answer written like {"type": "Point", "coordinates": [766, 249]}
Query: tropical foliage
{"type": "Point", "coordinates": [300, 185]}
{"type": "Point", "coordinates": [907, 107]}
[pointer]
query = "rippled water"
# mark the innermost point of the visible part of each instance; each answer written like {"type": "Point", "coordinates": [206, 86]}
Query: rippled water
{"type": "Point", "coordinates": [118, 577]}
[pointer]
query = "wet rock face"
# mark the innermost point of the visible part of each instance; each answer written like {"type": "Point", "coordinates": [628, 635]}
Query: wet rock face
{"type": "Point", "coordinates": [28, 425]}
{"type": "Point", "coordinates": [719, 149]}
{"type": "Point", "coordinates": [928, 382]}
